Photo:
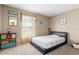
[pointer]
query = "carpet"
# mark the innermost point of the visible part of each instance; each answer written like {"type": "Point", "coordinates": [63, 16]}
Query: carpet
{"type": "Point", "coordinates": [28, 49]}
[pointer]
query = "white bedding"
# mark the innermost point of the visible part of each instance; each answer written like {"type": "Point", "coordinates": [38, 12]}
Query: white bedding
{"type": "Point", "coordinates": [48, 41]}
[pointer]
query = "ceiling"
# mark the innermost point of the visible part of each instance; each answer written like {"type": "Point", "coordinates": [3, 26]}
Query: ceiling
{"type": "Point", "coordinates": [45, 9]}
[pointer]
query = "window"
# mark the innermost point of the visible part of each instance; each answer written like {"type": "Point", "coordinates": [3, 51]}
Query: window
{"type": "Point", "coordinates": [27, 27]}
{"type": "Point", "coordinates": [12, 18]}
{"type": "Point", "coordinates": [27, 21]}
{"type": "Point", "coordinates": [12, 21]}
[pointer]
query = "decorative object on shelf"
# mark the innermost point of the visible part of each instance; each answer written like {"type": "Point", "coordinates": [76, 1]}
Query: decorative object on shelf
{"type": "Point", "coordinates": [7, 40]}
{"type": "Point", "coordinates": [13, 22]}
{"type": "Point", "coordinates": [8, 30]}
{"type": "Point", "coordinates": [63, 21]}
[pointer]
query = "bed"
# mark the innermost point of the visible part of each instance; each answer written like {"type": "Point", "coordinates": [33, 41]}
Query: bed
{"type": "Point", "coordinates": [50, 42]}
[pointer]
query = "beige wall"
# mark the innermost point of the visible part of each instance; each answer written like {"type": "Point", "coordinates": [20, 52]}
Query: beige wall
{"type": "Point", "coordinates": [40, 29]}
{"type": "Point", "coordinates": [72, 26]}
{"type": "Point", "coordinates": [0, 18]}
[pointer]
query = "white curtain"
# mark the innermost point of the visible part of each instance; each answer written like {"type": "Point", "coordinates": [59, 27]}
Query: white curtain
{"type": "Point", "coordinates": [27, 27]}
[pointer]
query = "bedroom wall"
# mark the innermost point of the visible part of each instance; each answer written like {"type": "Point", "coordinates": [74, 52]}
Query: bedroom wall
{"type": "Point", "coordinates": [72, 26]}
{"type": "Point", "coordinates": [0, 18]}
{"type": "Point", "coordinates": [38, 29]}
{"type": "Point", "coordinates": [41, 26]}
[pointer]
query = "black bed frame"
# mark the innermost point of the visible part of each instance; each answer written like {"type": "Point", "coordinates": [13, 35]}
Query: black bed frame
{"type": "Point", "coordinates": [44, 51]}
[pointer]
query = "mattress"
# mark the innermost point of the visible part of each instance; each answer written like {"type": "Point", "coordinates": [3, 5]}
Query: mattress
{"type": "Point", "coordinates": [46, 42]}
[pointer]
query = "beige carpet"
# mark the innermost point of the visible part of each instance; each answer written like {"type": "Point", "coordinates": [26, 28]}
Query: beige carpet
{"type": "Point", "coordinates": [28, 49]}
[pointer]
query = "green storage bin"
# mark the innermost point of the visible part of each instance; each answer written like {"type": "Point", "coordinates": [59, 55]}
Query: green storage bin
{"type": "Point", "coordinates": [5, 45]}
{"type": "Point", "coordinates": [12, 44]}
{"type": "Point", "coordinates": [3, 36]}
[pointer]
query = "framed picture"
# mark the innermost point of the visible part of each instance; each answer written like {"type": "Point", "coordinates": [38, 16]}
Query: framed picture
{"type": "Point", "coordinates": [12, 21]}
{"type": "Point", "coordinates": [63, 21]}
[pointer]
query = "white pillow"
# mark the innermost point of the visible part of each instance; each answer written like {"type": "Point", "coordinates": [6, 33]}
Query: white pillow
{"type": "Point", "coordinates": [56, 36]}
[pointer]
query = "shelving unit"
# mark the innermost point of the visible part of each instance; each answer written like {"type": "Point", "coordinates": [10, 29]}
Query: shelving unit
{"type": "Point", "coordinates": [7, 40]}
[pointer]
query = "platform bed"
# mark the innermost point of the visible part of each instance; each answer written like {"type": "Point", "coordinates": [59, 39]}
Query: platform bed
{"type": "Point", "coordinates": [45, 51]}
